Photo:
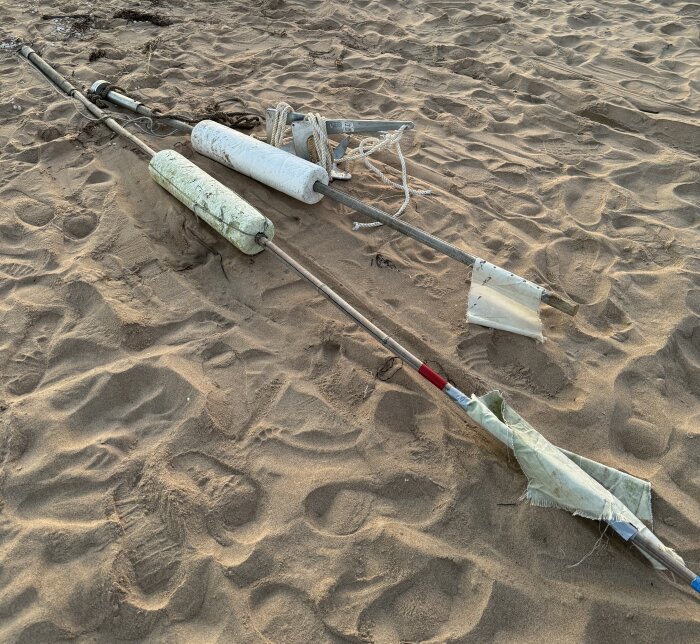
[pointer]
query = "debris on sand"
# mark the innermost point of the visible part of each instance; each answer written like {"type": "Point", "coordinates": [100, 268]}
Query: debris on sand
{"type": "Point", "coordinates": [143, 16]}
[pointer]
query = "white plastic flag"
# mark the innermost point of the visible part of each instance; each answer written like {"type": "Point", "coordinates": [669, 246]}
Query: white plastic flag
{"type": "Point", "coordinates": [561, 479]}
{"type": "Point", "coordinates": [502, 300]}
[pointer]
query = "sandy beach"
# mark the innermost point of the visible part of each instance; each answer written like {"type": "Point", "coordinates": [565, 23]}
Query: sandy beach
{"type": "Point", "coordinates": [196, 447]}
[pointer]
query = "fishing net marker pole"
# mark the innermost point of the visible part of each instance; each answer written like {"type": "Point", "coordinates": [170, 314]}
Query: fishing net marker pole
{"type": "Point", "coordinates": [177, 175]}
{"type": "Point", "coordinates": [217, 142]}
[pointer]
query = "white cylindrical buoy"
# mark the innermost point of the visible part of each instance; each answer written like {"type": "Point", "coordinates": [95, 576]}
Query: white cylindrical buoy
{"type": "Point", "coordinates": [269, 165]}
{"type": "Point", "coordinates": [210, 200]}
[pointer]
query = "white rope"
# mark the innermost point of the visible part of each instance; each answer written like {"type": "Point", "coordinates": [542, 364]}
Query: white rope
{"type": "Point", "coordinates": [321, 143]}
{"type": "Point", "coordinates": [367, 146]}
{"type": "Point", "coordinates": [385, 141]}
{"type": "Point", "coordinates": [279, 124]}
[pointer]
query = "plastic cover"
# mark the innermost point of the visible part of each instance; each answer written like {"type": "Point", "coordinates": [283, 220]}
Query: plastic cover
{"type": "Point", "coordinates": [560, 479]}
{"type": "Point", "coordinates": [502, 300]}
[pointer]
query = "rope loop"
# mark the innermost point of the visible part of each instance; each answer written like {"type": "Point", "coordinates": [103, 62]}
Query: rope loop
{"type": "Point", "coordinates": [279, 123]}
{"type": "Point", "coordinates": [367, 147]}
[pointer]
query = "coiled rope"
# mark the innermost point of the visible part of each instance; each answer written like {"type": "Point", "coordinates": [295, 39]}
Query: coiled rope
{"type": "Point", "coordinates": [366, 147]}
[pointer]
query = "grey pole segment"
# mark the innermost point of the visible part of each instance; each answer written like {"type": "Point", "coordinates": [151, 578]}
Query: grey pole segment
{"type": "Point", "coordinates": [130, 104]}
{"type": "Point", "coordinates": [644, 544]}
{"type": "Point", "coordinates": [397, 224]}
{"type": "Point", "coordinates": [75, 93]}
{"type": "Point", "coordinates": [552, 299]}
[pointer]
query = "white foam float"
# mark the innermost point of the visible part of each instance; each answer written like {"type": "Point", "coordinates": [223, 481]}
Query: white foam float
{"type": "Point", "coordinates": [276, 168]}
{"type": "Point", "coordinates": [232, 216]}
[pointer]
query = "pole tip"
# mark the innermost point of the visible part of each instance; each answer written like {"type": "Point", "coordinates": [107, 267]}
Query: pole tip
{"type": "Point", "coordinates": [97, 86]}
{"type": "Point", "coordinates": [557, 302]}
{"type": "Point", "coordinates": [26, 50]}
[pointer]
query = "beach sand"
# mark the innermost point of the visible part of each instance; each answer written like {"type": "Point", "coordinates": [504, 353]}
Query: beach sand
{"type": "Point", "coordinates": [196, 446]}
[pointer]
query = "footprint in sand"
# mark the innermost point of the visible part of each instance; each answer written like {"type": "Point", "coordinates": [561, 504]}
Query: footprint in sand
{"type": "Point", "coordinates": [30, 210]}
{"type": "Point", "coordinates": [580, 266]}
{"type": "Point", "coordinates": [18, 266]}
{"type": "Point", "coordinates": [584, 199]}
{"type": "Point", "coordinates": [518, 362]}
{"type": "Point", "coordinates": [289, 425]}
{"type": "Point", "coordinates": [285, 614]}
{"type": "Point", "coordinates": [396, 589]}
{"type": "Point", "coordinates": [344, 508]}
{"type": "Point", "coordinates": [152, 553]}
{"type": "Point", "coordinates": [229, 497]}
{"type": "Point", "coordinates": [153, 575]}
{"type": "Point", "coordinates": [688, 192]}
{"type": "Point", "coordinates": [25, 369]}
{"type": "Point", "coordinates": [79, 225]}
{"type": "Point", "coordinates": [418, 608]}
{"type": "Point", "coordinates": [654, 393]}
{"type": "Point", "coordinates": [146, 397]}
{"type": "Point", "coordinates": [398, 410]}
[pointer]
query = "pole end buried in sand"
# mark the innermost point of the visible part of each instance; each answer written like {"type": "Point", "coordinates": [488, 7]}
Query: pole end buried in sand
{"type": "Point", "coordinates": [559, 303]}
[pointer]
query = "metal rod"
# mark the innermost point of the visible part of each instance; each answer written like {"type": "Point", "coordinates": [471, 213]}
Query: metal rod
{"type": "Point", "coordinates": [549, 298]}
{"type": "Point", "coordinates": [397, 224]}
{"type": "Point", "coordinates": [347, 126]}
{"type": "Point", "coordinates": [646, 545]}
{"type": "Point", "coordinates": [129, 103]}
{"type": "Point", "coordinates": [75, 93]}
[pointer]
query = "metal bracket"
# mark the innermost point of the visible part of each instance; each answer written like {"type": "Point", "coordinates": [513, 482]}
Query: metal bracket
{"type": "Point", "coordinates": [302, 131]}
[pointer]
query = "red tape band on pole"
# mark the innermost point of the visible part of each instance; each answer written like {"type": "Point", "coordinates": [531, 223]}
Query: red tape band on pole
{"type": "Point", "coordinates": [435, 378]}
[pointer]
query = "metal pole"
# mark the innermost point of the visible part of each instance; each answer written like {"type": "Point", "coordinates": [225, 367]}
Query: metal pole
{"type": "Point", "coordinates": [101, 87]}
{"type": "Point", "coordinates": [548, 297]}
{"type": "Point", "coordinates": [643, 543]}
{"type": "Point", "coordinates": [73, 92]}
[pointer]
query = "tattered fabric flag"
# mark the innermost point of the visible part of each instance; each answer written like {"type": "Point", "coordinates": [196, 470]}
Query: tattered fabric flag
{"type": "Point", "coordinates": [561, 479]}
{"type": "Point", "coordinates": [502, 300]}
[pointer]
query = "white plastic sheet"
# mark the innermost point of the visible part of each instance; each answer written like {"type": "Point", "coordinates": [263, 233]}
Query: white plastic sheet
{"type": "Point", "coordinates": [502, 300]}
{"type": "Point", "coordinates": [560, 479]}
